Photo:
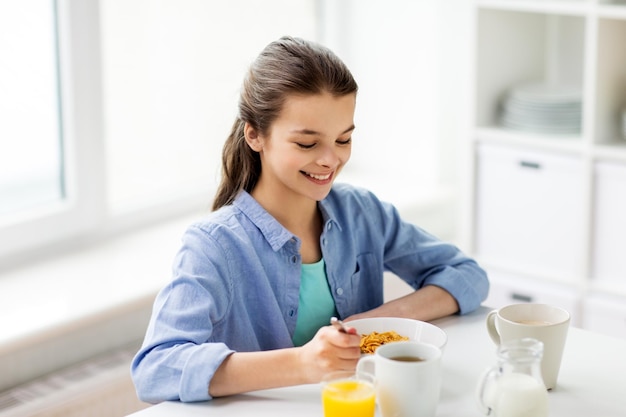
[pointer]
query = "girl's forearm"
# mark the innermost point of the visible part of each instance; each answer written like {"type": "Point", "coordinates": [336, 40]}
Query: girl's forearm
{"type": "Point", "coordinates": [427, 303]}
{"type": "Point", "coordinates": [249, 371]}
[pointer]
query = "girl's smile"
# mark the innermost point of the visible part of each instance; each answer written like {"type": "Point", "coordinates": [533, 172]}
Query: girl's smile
{"type": "Point", "coordinates": [319, 178]}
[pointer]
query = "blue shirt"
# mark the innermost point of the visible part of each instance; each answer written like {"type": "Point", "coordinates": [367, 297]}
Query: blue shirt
{"type": "Point", "coordinates": [236, 282]}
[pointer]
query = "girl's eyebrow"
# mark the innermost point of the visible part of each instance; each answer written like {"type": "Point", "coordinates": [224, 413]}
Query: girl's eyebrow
{"type": "Point", "coordinates": [316, 133]}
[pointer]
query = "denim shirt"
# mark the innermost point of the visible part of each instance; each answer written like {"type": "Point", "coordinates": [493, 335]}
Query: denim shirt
{"type": "Point", "coordinates": [236, 282]}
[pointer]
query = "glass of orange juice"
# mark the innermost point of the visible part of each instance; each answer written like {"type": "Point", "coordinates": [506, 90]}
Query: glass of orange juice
{"type": "Point", "coordinates": [346, 393]}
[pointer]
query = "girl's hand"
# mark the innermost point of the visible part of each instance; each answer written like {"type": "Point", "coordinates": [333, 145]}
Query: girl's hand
{"type": "Point", "coordinates": [329, 350]}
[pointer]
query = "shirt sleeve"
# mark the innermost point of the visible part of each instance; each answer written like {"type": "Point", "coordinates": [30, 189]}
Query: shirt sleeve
{"type": "Point", "coordinates": [420, 259]}
{"type": "Point", "coordinates": [177, 359]}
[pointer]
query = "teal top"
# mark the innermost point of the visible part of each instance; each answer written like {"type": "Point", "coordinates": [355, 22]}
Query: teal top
{"type": "Point", "coordinates": [316, 304]}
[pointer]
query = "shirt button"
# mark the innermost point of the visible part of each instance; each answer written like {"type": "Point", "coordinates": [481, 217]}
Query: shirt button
{"type": "Point", "coordinates": [330, 226]}
{"type": "Point", "coordinates": [294, 259]}
{"type": "Point", "coordinates": [324, 242]}
{"type": "Point", "coordinates": [291, 313]}
{"type": "Point", "coordinates": [339, 291]}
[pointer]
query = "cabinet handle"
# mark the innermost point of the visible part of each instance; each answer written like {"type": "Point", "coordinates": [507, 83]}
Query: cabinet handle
{"type": "Point", "coordinates": [528, 164]}
{"type": "Point", "coordinates": [521, 297]}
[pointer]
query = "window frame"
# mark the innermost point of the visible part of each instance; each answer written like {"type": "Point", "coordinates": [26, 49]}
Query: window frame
{"type": "Point", "coordinates": [80, 90]}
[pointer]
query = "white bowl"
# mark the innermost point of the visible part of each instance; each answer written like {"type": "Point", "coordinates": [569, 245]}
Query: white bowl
{"type": "Point", "coordinates": [415, 330]}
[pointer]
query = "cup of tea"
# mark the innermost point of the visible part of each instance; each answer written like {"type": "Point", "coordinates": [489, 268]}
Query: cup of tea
{"type": "Point", "coordinates": [348, 393]}
{"type": "Point", "coordinates": [546, 323]}
{"type": "Point", "coordinates": [408, 378]}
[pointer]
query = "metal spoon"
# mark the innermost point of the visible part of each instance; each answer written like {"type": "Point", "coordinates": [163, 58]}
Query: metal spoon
{"type": "Point", "coordinates": [338, 324]}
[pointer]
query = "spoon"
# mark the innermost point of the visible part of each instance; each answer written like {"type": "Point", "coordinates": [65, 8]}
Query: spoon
{"type": "Point", "coordinates": [338, 324]}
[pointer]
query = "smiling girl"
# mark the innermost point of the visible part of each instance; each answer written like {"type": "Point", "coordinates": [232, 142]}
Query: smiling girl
{"type": "Point", "coordinates": [256, 282]}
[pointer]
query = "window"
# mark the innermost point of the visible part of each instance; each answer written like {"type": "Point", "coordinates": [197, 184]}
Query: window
{"type": "Point", "coordinates": [67, 83]}
{"type": "Point", "coordinates": [30, 152]}
{"type": "Point", "coordinates": [131, 110]}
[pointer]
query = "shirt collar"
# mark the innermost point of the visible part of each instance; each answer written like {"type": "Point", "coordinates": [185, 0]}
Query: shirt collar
{"type": "Point", "coordinates": [275, 234]}
{"type": "Point", "coordinates": [328, 207]}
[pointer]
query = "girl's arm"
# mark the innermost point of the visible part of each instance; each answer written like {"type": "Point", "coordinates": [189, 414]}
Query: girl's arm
{"type": "Point", "coordinates": [428, 303]}
{"type": "Point", "coordinates": [329, 351]}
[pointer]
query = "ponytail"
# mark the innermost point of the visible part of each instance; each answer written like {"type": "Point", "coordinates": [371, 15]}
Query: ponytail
{"type": "Point", "coordinates": [241, 167]}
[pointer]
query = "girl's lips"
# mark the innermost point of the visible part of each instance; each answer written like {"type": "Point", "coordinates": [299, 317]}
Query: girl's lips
{"type": "Point", "coordinates": [318, 178]}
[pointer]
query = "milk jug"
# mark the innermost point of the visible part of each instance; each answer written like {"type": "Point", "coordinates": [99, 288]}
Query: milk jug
{"type": "Point", "coordinates": [514, 386]}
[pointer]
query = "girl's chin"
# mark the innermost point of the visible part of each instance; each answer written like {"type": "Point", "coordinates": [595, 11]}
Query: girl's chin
{"type": "Point", "coordinates": [322, 195]}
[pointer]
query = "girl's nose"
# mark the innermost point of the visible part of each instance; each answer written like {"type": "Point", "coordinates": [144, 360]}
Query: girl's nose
{"type": "Point", "coordinates": [328, 158]}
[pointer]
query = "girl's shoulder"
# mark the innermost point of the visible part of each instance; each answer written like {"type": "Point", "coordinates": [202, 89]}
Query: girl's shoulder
{"type": "Point", "coordinates": [239, 221]}
{"type": "Point", "coordinates": [343, 192]}
{"type": "Point", "coordinates": [345, 200]}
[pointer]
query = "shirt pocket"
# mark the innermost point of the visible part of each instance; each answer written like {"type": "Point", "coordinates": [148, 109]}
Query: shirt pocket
{"type": "Point", "coordinates": [367, 283]}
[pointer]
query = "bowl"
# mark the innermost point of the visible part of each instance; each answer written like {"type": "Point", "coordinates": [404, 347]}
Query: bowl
{"type": "Point", "coordinates": [415, 330]}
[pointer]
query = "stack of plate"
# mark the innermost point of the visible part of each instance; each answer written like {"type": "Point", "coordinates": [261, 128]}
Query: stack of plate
{"type": "Point", "coordinates": [543, 108]}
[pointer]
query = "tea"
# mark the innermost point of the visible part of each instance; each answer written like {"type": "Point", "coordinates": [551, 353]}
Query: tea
{"type": "Point", "coordinates": [406, 359]}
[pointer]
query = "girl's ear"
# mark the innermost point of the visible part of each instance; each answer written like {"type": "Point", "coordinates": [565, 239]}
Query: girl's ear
{"type": "Point", "coordinates": [252, 138]}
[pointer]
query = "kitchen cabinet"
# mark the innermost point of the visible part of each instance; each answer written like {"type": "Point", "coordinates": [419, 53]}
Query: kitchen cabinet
{"type": "Point", "coordinates": [529, 200]}
{"type": "Point", "coordinates": [546, 167]}
{"type": "Point", "coordinates": [513, 289]}
{"type": "Point", "coordinates": [605, 314]}
{"type": "Point", "coordinates": [608, 268]}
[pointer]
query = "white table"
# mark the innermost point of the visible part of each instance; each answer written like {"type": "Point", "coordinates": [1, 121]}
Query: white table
{"type": "Point", "coordinates": [592, 380]}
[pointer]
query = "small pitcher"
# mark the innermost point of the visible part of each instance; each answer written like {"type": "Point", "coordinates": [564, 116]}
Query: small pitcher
{"type": "Point", "coordinates": [514, 387]}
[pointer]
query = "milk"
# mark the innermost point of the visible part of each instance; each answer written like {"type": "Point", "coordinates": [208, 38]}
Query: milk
{"type": "Point", "coordinates": [517, 395]}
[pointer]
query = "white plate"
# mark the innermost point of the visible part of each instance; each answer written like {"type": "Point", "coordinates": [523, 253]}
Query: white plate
{"type": "Point", "coordinates": [415, 330]}
{"type": "Point", "coordinates": [547, 93]}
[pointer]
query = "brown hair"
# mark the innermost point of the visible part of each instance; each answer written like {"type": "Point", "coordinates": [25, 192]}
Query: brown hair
{"type": "Point", "coordinates": [286, 66]}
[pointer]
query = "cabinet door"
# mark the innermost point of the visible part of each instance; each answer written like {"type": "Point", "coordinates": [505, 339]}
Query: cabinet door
{"type": "Point", "coordinates": [529, 211]}
{"type": "Point", "coordinates": [509, 288]}
{"type": "Point", "coordinates": [609, 227]}
{"type": "Point", "coordinates": [604, 314]}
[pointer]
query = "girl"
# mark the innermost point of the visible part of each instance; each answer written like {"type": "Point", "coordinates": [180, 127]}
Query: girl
{"type": "Point", "coordinates": [256, 282]}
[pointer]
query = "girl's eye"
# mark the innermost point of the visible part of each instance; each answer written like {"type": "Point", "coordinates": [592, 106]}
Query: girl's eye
{"type": "Point", "coordinates": [345, 142]}
{"type": "Point", "coordinates": [305, 145]}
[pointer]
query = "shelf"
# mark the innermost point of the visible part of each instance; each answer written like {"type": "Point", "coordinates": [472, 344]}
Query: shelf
{"type": "Point", "coordinates": [610, 80]}
{"type": "Point", "coordinates": [561, 143]}
{"type": "Point", "coordinates": [613, 152]}
{"type": "Point", "coordinates": [572, 8]}
{"type": "Point", "coordinates": [514, 48]}
{"type": "Point", "coordinates": [549, 208]}
{"type": "Point", "coordinates": [569, 8]}
{"type": "Point", "coordinates": [612, 11]}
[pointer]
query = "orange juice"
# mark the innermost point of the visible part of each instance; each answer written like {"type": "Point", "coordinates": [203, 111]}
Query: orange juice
{"type": "Point", "coordinates": [348, 398]}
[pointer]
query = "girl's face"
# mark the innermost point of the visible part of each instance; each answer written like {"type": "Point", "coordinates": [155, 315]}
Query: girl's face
{"type": "Point", "coordinates": [306, 147]}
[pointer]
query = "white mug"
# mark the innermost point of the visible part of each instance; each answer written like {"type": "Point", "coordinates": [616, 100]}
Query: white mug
{"type": "Point", "coordinates": [546, 323]}
{"type": "Point", "coordinates": [408, 376]}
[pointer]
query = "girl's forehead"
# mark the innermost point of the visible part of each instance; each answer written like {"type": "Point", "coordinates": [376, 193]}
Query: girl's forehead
{"type": "Point", "coordinates": [313, 110]}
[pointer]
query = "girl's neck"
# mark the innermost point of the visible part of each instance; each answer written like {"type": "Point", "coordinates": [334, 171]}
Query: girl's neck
{"type": "Point", "coordinates": [293, 213]}
{"type": "Point", "coordinates": [297, 214]}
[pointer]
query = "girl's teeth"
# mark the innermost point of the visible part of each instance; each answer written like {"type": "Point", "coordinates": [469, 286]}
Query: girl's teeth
{"type": "Point", "coordinates": [320, 177]}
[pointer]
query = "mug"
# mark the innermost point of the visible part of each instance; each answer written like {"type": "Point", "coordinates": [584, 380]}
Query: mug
{"type": "Point", "coordinates": [408, 378]}
{"type": "Point", "coordinates": [546, 323]}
